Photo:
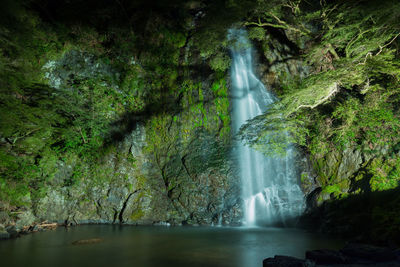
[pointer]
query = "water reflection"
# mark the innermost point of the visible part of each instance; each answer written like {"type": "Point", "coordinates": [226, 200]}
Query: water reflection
{"type": "Point", "coordinates": [159, 246]}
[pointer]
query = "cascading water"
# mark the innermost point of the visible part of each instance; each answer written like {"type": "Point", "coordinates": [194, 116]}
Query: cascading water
{"type": "Point", "coordinates": [270, 188]}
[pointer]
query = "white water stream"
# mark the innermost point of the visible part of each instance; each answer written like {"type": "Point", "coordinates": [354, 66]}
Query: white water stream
{"type": "Point", "coordinates": [269, 184]}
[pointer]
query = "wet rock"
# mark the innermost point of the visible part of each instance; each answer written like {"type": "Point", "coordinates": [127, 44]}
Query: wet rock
{"type": "Point", "coordinates": [325, 256]}
{"type": "Point", "coordinates": [286, 261]}
{"type": "Point", "coordinates": [12, 231]}
{"type": "Point", "coordinates": [24, 219]}
{"type": "Point", "coordinates": [3, 232]}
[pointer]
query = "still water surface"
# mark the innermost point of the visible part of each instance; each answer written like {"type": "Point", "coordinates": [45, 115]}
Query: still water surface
{"type": "Point", "coordinates": [159, 246]}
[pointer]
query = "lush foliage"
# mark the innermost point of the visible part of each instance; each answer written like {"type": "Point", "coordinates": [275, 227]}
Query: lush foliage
{"type": "Point", "coordinates": [350, 98]}
{"type": "Point", "coordinates": [42, 126]}
{"type": "Point", "coordinates": [72, 89]}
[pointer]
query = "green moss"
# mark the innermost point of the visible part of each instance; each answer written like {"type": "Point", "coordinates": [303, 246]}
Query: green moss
{"type": "Point", "coordinates": [220, 62]}
{"type": "Point", "coordinates": [337, 190]}
{"type": "Point", "coordinates": [355, 56]}
{"type": "Point", "coordinates": [136, 215]}
{"type": "Point", "coordinates": [221, 103]}
{"type": "Point", "coordinates": [257, 33]}
{"type": "Point", "coordinates": [385, 173]}
{"type": "Point", "coordinates": [332, 189]}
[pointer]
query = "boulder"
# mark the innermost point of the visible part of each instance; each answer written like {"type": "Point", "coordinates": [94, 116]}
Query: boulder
{"type": "Point", "coordinates": [25, 218]}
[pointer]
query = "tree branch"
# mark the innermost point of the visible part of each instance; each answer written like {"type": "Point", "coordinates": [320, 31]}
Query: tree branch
{"type": "Point", "coordinates": [334, 90]}
{"type": "Point", "coordinates": [281, 25]}
{"type": "Point", "coordinates": [265, 25]}
{"type": "Point", "coordinates": [381, 47]}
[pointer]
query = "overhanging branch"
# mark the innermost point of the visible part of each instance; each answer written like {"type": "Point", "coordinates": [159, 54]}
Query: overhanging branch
{"type": "Point", "coordinates": [333, 90]}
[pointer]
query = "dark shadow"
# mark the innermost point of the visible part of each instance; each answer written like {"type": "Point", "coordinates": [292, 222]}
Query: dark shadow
{"type": "Point", "coordinates": [105, 13]}
{"type": "Point", "coordinates": [129, 121]}
{"type": "Point", "coordinates": [372, 217]}
{"type": "Point", "coordinates": [169, 104]}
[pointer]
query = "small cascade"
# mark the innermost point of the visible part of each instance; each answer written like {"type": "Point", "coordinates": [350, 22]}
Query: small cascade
{"type": "Point", "coordinates": [270, 188]}
{"type": "Point", "coordinates": [219, 220]}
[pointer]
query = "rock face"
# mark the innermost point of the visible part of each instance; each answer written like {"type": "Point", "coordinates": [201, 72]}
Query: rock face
{"type": "Point", "coordinates": [206, 191]}
{"type": "Point", "coordinates": [75, 65]}
{"type": "Point", "coordinates": [349, 207]}
{"type": "Point", "coordinates": [338, 168]}
{"type": "Point", "coordinates": [279, 62]}
{"type": "Point", "coordinates": [154, 103]}
{"type": "Point", "coordinates": [143, 178]}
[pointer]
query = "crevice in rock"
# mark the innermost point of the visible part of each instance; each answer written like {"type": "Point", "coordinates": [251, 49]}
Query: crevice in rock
{"type": "Point", "coordinates": [115, 215]}
{"type": "Point", "coordinates": [284, 60]}
{"type": "Point", "coordinates": [121, 214]}
{"type": "Point", "coordinates": [98, 208]}
{"type": "Point", "coordinates": [183, 160]}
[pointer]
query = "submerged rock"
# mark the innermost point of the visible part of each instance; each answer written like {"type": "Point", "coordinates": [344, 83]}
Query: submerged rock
{"type": "Point", "coordinates": [87, 241]}
{"type": "Point", "coordinates": [286, 261]}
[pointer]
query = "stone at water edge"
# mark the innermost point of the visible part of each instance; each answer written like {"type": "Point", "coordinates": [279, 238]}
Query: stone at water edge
{"type": "Point", "coordinates": [3, 232]}
{"type": "Point", "coordinates": [87, 241]}
{"type": "Point", "coordinates": [12, 231]}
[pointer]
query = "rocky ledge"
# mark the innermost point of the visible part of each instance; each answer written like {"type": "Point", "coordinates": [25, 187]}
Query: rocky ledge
{"type": "Point", "coordinates": [355, 255]}
{"type": "Point", "coordinates": [12, 231]}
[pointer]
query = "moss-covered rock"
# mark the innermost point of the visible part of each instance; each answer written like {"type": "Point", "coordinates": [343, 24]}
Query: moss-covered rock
{"type": "Point", "coordinates": [106, 125]}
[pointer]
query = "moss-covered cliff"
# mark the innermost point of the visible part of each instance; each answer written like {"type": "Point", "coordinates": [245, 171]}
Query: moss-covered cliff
{"type": "Point", "coordinates": [114, 113]}
{"type": "Point", "coordinates": [119, 111]}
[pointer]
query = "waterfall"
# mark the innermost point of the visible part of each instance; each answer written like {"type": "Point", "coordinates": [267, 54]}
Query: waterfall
{"type": "Point", "coordinates": [270, 188]}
